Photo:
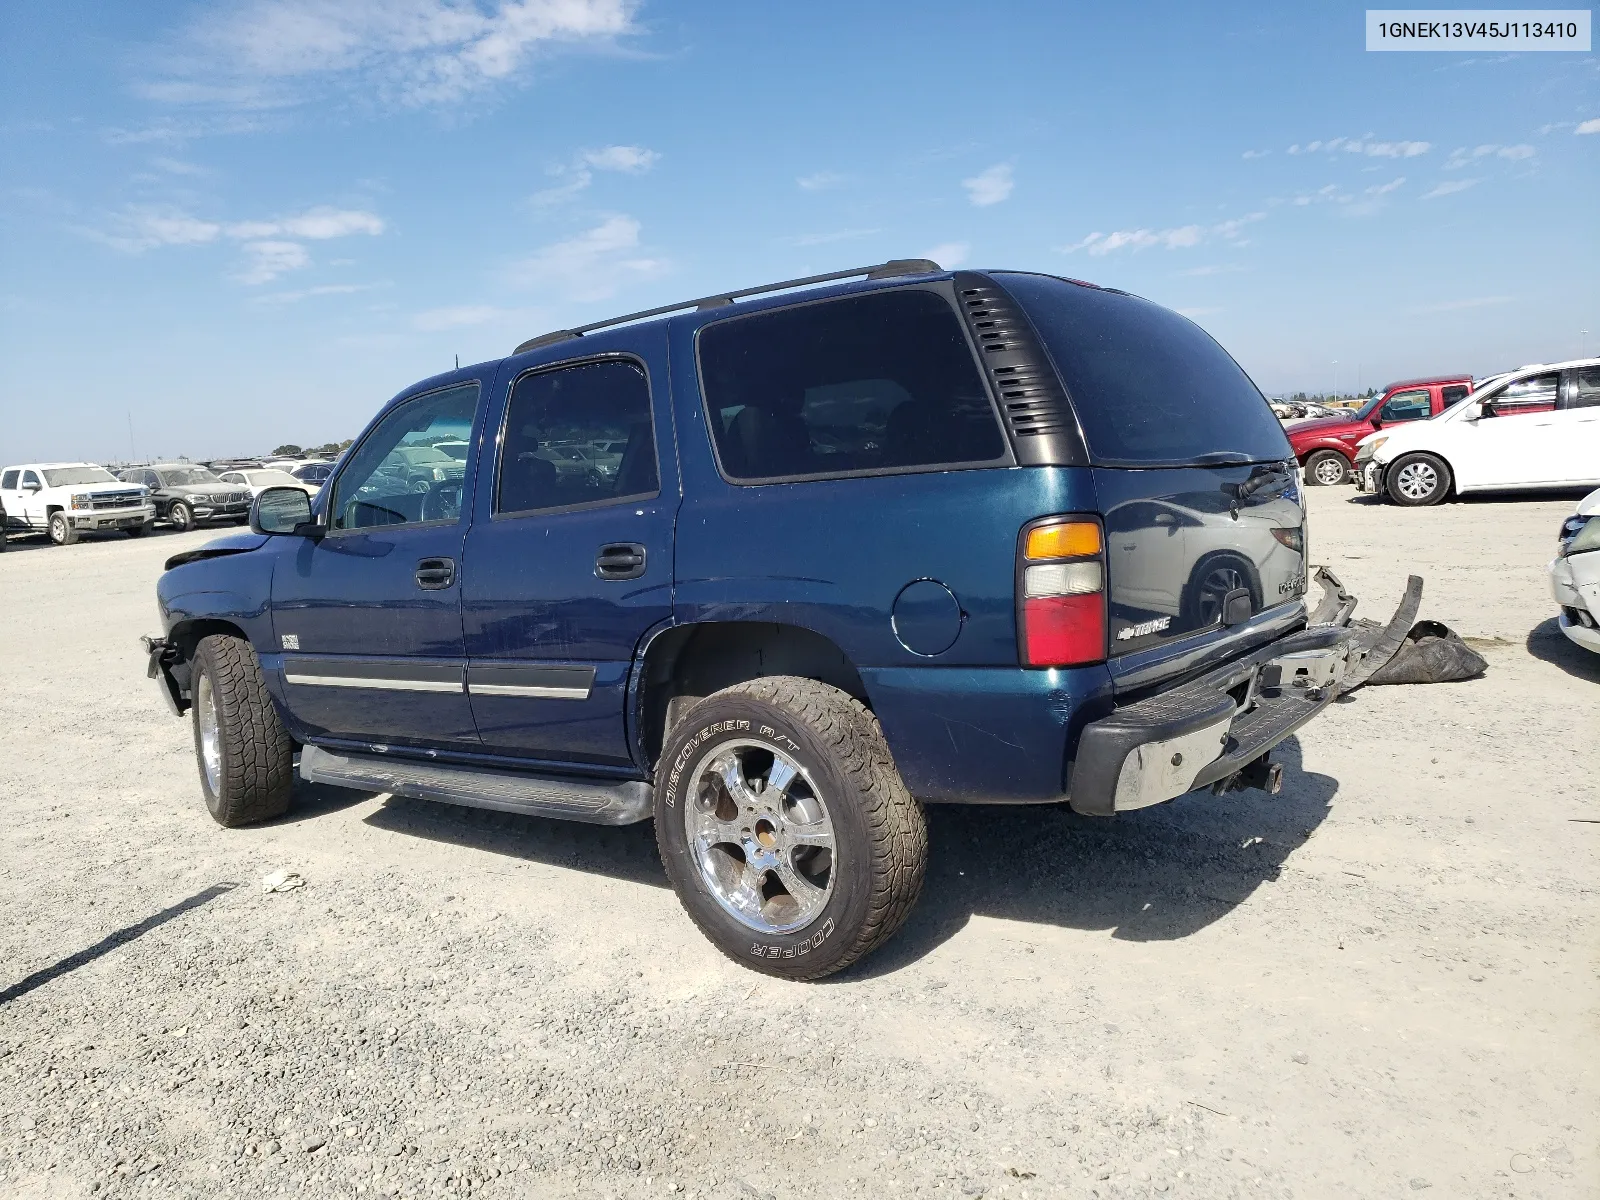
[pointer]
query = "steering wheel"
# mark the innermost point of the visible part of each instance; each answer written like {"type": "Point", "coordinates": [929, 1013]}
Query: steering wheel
{"type": "Point", "coordinates": [443, 501]}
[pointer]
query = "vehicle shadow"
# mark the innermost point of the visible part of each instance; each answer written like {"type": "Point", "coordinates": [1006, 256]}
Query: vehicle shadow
{"type": "Point", "coordinates": [314, 800]}
{"type": "Point", "coordinates": [1547, 643]}
{"type": "Point", "coordinates": [1154, 875]}
{"type": "Point", "coordinates": [1158, 874]}
{"type": "Point", "coordinates": [626, 852]}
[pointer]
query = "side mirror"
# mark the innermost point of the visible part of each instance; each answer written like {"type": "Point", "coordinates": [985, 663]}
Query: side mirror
{"type": "Point", "coordinates": [281, 510]}
{"type": "Point", "coordinates": [33, 486]}
{"type": "Point", "coordinates": [1487, 409]}
{"type": "Point", "coordinates": [1377, 422]}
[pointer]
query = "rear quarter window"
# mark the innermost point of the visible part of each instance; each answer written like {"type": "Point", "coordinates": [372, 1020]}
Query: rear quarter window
{"type": "Point", "coordinates": [1150, 387]}
{"type": "Point", "coordinates": [868, 384]}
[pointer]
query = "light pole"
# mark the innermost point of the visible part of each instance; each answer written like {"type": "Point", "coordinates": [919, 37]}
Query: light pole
{"type": "Point", "coordinates": [1335, 395]}
{"type": "Point", "coordinates": [1583, 343]}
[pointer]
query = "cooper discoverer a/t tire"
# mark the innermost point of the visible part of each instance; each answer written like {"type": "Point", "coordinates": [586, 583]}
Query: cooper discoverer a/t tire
{"type": "Point", "coordinates": [785, 829]}
{"type": "Point", "coordinates": [245, 755]}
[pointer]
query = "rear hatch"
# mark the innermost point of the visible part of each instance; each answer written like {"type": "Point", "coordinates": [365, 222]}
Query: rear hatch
{"type": "Point", "coordinates": [1195, 480]}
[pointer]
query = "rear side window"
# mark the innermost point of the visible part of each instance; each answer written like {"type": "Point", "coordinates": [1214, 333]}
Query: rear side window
{"type": "Point", "coordinates": [1150, 388]}
{"type": "Point", "coordinates": [867, 384]}
{"type": "Point", "coordinates": [8, 482]}
{"type": "Point", "coordinates": [577, 435]}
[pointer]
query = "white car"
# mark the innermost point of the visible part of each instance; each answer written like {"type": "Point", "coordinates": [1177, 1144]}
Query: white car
{"type": "Point", "coordinates": [66, 499]}
{"type": "Point", "coordinates": [1538, 427]}
{"type": "Point", "coordinates": [260, 479]}
{"type": "Point", "coordinates": [1575, 574]}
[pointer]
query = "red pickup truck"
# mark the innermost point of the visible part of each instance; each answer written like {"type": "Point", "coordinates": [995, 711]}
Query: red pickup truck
{"type": "Point", "coordinates": [1326, 446]}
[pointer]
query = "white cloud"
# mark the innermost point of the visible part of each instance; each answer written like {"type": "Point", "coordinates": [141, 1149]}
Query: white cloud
{"type": "Point", "coordinates": [819, 181]}
{"type": "Point", "coordinates": [265, 261]}
{"type": "Point", "coordinates": [592, 266]}
{"type": "Point", "coordinates": [411, 52]}
{"type": "Point", "coordinates": [1363, 145]}
{"type": "Point", "coordinates": [327, 289]}
{"type": "Point", "coordinates": [1591, 126]}
{"type": "Point", "coordinates": [316, 224]}
{"type": "Point", "coordinates": [1383, 189]}
{"type": "Point", "coordinates": [948, 254]}
{"type": "Point", "coordinates": [1449, 188]}
{"type": "Point", "coordinates": [139, 229]}
{"type": "Point", "coordinates": [436, 320]}
{"type": "Point", "coordinates": [1255, 154]}
{"type": "Point", "coordinates": [1457, 305]}
{"type": "Point", "coordinates": [630, 160]}
{"type": "Point", "coordinates": [1178, 238]}
{"type": "Point", "coordinates": [824, 239]}
{"type": "Point", "coordinates": [633, 160]}
{"type": "Point", "coordinates": [990, 186]}
{"type": "Point", "coordinates": [174, 166]}
{"type": "Point", "coordinates": [1462, 157]}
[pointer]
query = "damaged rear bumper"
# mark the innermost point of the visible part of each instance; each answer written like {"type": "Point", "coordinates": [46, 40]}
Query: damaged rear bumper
{"type": "Point", "coordinates": [1211, 729]}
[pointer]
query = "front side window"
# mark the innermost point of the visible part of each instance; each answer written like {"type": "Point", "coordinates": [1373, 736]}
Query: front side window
{"type": "Point", "coordinates": [866, 384]}
{"type": "Point", "coordinates": [1587, 392]}
{"type": "Point", "coordinates": [1406, 406]}
{"type": "Point", "coordinates": [396, 477]}
{"type": "Point", "coordinates": [562, 430]}
{"type": "Point", "coordinates": [1537, 393]}
{"type": "Point", "coordinates": [67, 476]}
{"type": "Point", "coordinates": [28, 477]}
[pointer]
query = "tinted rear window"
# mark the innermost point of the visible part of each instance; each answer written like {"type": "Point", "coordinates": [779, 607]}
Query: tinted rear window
{"type": "Point", "coordinates": [1150, 387]}
{"type": "Point", "coordinates": [864, 384]}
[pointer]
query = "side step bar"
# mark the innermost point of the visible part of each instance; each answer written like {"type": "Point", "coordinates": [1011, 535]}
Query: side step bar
{"type": "Point", "coordinates": [476, 787]}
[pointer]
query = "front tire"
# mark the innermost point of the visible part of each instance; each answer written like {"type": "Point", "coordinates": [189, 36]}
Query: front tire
{"type": "Point", "coordinates": [181, 516]}
{"type": "Point", "coordinates": [785, 829]}
{"type": "Point", "coordinates": [245, 755]}
{"type": "Point", "coordinates": [62, 531]}
{"type": "Point", "coordinates": [1415, 480]}
{"type": "Point", "coordinates": [1327, 468]}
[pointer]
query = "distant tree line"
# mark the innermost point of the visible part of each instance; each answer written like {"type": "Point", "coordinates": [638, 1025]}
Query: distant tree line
{"type": "Point", "coordinates": [326, 450]}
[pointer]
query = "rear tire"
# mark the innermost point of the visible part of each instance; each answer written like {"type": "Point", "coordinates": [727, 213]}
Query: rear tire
{"type": "Point", "coordinates": [62, 531]}
{"type": "Point", "coordinates": [180, 516]}
{"type": "Point", "coordinates": [245, 755]}
{"type": "Point", "coordinates": [814, 872]}
{"type": "Point", "coordinates": [1415, 480]}
{"type": "Point", "coordinates": [1327, 468]}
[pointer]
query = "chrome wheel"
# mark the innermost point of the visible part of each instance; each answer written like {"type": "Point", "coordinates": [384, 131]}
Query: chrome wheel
{"type": "Point", "coordinates": [1330, 471]}
{"type": "Point", "coordinates": [761, 837]}
{"type": "Point", "coordinates": [205, 715]}
{"type": "Point", "coordinates": [1417, 480]}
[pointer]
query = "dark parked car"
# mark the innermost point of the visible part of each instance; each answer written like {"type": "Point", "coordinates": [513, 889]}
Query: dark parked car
{"type": "Point", "coordinates": [316, 473]}
{"type": "Point", "coordinates": [186, 495]}
{"type": "Point", "coordinates": [918, 537]}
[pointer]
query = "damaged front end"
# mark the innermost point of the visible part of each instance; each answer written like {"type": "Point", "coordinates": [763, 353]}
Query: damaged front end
{"type": "Point", "coordinates": [166, 664]}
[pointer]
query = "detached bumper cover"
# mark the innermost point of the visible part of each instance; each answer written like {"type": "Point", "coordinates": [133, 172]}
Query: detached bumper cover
{"type": "Point", "coordinates": [161, 660]}
{"type": "Point", "coordinates": [1210, 728]}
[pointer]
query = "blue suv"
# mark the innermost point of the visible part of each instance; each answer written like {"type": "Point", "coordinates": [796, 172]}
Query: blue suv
{"type": "Point", "coordinates": [776, 568]}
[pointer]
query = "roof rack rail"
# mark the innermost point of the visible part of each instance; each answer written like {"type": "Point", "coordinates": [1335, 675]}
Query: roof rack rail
{"type": "Point", "coordinates": [884, 270]}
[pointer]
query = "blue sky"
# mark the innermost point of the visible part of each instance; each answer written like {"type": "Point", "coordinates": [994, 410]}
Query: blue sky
{"type": "Point", "coordinates": [249, 223]}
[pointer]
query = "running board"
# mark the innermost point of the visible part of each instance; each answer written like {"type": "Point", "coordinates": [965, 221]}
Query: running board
{"type": "Point", "coordinates": [563, 798]}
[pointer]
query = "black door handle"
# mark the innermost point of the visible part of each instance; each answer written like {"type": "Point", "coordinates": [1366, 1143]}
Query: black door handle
{"type": "Point", "coordinates": [435, 574]}
{"type": "Point", "coordinates": [620, 560]}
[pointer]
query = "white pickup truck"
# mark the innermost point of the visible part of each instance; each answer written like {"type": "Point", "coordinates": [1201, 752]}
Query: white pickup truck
{"type": "Point", "coordinates": [66, 499]}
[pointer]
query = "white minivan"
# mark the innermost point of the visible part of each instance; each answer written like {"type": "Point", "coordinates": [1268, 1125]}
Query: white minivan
{"type": "Point", "coordinates": [1538, 427]}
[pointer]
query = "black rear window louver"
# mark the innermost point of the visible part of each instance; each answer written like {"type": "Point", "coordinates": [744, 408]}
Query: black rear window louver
{"type": "Point", "coordinates": [1038, 414]}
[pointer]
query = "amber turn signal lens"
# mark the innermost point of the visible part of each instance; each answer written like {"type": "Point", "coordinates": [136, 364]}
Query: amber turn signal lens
{"type": "Point", "coordinates": [1070, 539]}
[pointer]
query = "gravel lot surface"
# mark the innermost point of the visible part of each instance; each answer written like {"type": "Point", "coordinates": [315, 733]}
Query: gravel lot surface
{"type": "Point", "coordinates": [1380, 983]}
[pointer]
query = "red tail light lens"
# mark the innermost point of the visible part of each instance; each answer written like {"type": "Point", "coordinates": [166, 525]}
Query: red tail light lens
{"type": "Point", "coordinates": [1062, 609]}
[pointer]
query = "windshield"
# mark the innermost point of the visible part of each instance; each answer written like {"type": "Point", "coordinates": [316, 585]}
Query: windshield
{"type": "Point", "coordinates": [272, 479]}
{"type": "Point", "coordinates": [1370, 407]}
{"type": "Point", "coordinates": [67, 476]}
{"type": "Point", "coordinates": [186, 476]}
{"type": "Point", "coordinates": [1150, 387]}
